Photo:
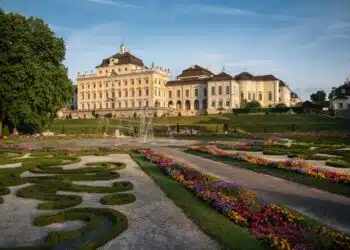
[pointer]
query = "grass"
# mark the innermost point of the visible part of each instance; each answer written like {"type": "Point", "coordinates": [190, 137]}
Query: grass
{"type": "Point", "coordinates": [337, 188]}
{"type": "Point", "coordinates": [45, 189]}
{"type": "Point", "coordinates": [226, 233]}
{"type": "Point", "coordinates": [339, 163]}
{"type": "Point", "coordinates": [79, 238]}
{"type": "Point", "coordinates": [118, 199]}
{"type": "Point", "coordinates": [249, 123]}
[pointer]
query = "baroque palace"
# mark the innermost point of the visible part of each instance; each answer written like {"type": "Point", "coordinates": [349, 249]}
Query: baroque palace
{"type": "Point", "coordinates": [122, 86]}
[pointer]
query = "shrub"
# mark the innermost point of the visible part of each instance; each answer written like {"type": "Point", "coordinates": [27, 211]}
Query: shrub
{"type": "Point", "coordinates": [281, 105]}
{"type": "Point", "coordinates": [339, 163]}
{"type": "Point", "coordinates": [179, 114]}
{"type": "Point", "coordinates": [118, 199]}
{"type": "Point", "coordinates": [252, 104]}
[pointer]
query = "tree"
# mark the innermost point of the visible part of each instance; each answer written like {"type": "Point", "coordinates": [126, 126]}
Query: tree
{"type": "Point", "coordinates": [252, 105]}
{"type": "Point", "coordinates": [34, 81]}
{"type": "Point", "coordinates": [319, 96]}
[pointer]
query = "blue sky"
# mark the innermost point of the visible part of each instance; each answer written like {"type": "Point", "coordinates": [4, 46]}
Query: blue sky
{"type": "Point", "coordinates": [304, 43]}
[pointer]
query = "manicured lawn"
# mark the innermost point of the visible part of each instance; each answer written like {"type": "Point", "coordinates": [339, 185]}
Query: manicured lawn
{"type": "Point", "coordinates": [210, 123]}
{"type": "Point", "coordinates": [337, 188]}
{"type": "Point", "coordinates": [229, 235]}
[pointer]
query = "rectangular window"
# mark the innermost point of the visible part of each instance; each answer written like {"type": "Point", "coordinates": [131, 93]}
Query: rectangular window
{"type": "Point", "coordinates": [227, 90]}
{"type": "Point", "coordinates": [242, 96]}
{"type": "Point", "coordinates": [178, 93]}
{"type": "Point", "coordinates": [270, 96]}
{"type": "Point", "coordinates": [260, 96]}
{"type": "Point", "coordinates": [227, 103]}
{"type": "Point", "coordinates": [170, 94]}
{"type": "Point", "coordinates": [213, 104]}
{"type": "Point", "coordinates": [249, 96]}
{"type": "Point", "coordinates": [340, 105]}
{"type": "Point", "coordinates": [132, 81]}
{"type": "Point", "coordinates": [220, 90]}
{"type": "Point", "coordinates": [220, 103]}
{"type": "Point", "coordinates": [106, 84]}
{"type": "Point", "coordinates": [187, 93]}
{"type": "Point", "coordinates": [254, 96]}
{"type": "Point", "coordinates": [213, 90]}
{"type": "Point", "coordinates": [196, 92]}
{"type": "Point", "coordinates": [205, 92]}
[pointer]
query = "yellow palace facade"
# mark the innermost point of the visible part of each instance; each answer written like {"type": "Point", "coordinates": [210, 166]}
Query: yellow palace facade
{"type": "Point", "coordinates": [122, 86]}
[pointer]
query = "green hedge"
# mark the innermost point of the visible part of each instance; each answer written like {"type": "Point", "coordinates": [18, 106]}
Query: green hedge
{"type": "Point", "coordinates": [118, 199]}
{"type": "Point", "coordinates": [267, 110]}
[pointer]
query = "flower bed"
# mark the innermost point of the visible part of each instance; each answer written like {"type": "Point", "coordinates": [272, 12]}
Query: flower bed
{"type": "Point", "coordinates": [296, 164]}
{"type": "Point", "coordinates": [277, 226]}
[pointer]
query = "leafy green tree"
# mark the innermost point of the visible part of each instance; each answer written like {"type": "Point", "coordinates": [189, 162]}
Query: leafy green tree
{"type": "Point", "coordinates": [34, 81]}
{"type": "Point", "coordinates": [252, 104]}
{"type": "Point", "coordinates": [319, 96]}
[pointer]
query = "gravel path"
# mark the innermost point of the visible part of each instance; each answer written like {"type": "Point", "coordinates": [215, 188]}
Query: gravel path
{"type": "Point", "coordinates": [155, 222]}
{"type": "Point", "coordinates": [329, 208]}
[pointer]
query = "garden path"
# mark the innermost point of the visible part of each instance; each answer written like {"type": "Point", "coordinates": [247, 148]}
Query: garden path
{"type": "Point", "coordinates": [317, 163]}
{"type": "Point", "coordinates": [328, 208]}
{"type": "Point", "coordinates": [154, 221]}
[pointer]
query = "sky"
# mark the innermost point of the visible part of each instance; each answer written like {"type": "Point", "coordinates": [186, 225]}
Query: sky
{"type": "Point", "coordinates": [304, 43]}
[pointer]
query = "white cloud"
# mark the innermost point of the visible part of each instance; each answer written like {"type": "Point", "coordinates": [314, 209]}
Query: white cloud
{"type": "Point", "coordinates": [212, 9]}
{"type": "Point", "coordinates": [113, 3]}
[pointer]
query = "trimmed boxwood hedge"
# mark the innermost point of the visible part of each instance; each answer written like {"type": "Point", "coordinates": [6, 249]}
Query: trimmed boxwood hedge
{"type": "Point", "coordinates": [79, 238]}
{"type": "Point", "coordinates": [118, 199]}
{"type": "Point", "coordinates": [339, 163]}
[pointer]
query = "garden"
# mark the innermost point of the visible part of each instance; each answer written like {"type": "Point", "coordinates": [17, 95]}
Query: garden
{"type": "Point", "coordinates": [292, 169]}
{"type": "Point", "coordinates": [51, 178]}
{"type": "Point", "coordinates": [277, 227]}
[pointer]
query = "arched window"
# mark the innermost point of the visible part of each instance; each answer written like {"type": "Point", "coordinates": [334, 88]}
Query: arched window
{"type": "Point", "coordinates": [170, 104]}
{"type": "Point", "coordinates": [178, 105]}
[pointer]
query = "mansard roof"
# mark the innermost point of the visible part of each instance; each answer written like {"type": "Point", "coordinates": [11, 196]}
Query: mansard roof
{"type": "Point", "coordinates": [222, 77]}
{"type": "Point", "coordinates": [124, 58]}
{"type": "Point", "coordinates": [195, 71]}
{"type": "Point", "coordinates": [247, 76]}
